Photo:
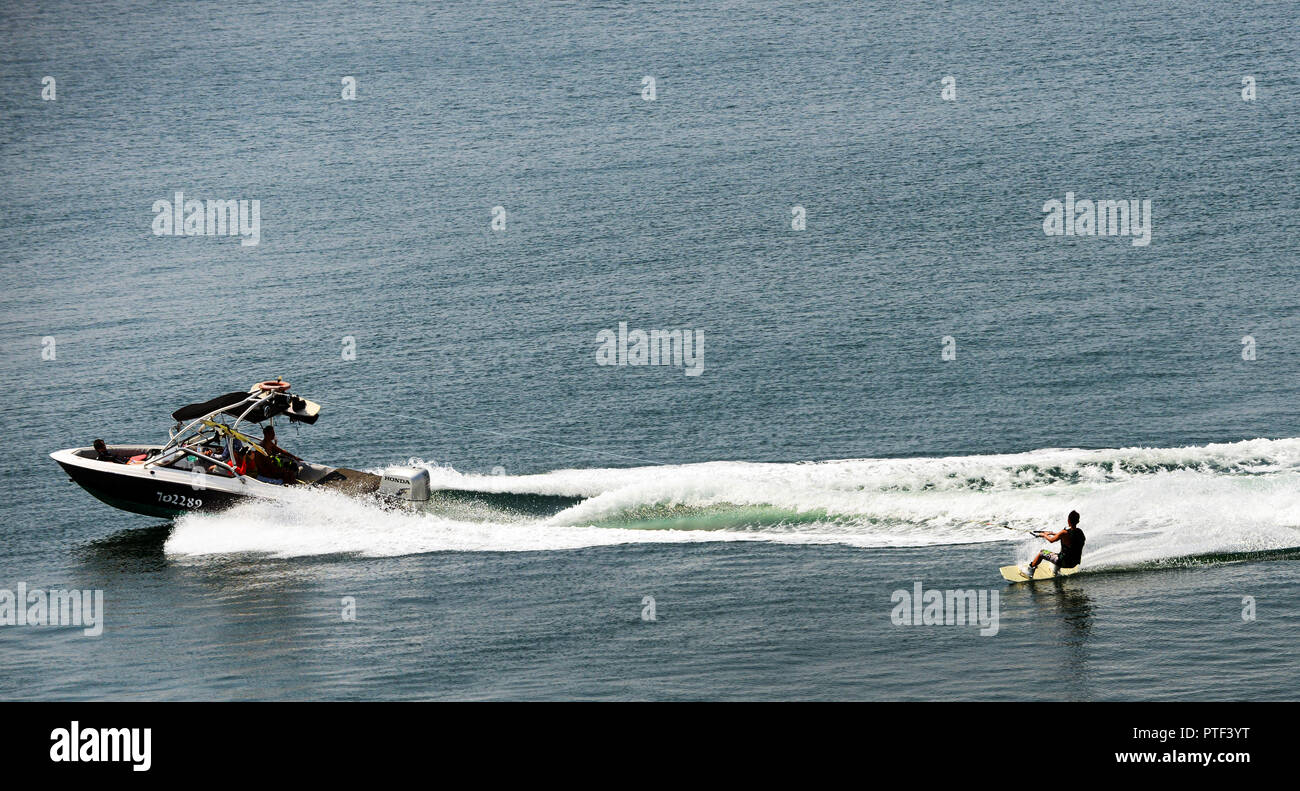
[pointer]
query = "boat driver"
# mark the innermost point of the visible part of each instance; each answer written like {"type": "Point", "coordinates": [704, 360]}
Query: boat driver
{"type": "Point", "coordinates": [278, 463]}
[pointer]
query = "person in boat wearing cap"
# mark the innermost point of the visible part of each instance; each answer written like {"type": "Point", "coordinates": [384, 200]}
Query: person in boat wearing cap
{"type": "Point", "coordinates": [102, 454]}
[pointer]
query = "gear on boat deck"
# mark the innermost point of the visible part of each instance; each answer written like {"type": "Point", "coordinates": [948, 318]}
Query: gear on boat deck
{"type": "Point", "coordinates": [350, 482]}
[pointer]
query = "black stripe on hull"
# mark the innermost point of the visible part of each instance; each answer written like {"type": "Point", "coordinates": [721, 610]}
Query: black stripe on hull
{"type": "Point", "coordinates": [149, 496]}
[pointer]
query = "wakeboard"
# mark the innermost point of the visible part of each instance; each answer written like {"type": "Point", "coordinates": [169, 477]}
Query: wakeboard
{"type": "Point", "coordinates": [1045, 571]}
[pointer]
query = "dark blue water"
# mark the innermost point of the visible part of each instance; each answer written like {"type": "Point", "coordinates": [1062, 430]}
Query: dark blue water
{"type": "Point", "coordinates": [476, 348]}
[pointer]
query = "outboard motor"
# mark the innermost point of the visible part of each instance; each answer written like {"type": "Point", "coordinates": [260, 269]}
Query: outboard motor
{"type": "Point", "coordinates": [405, 483]}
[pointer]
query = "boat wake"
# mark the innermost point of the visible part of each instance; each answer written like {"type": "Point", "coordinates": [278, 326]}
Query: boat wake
{"type": "Point", "coordinates": [1139, 506]}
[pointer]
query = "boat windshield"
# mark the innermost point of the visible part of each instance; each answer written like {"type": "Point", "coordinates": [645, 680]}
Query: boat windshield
{"type": "Point", "coordinates": [202, 447]}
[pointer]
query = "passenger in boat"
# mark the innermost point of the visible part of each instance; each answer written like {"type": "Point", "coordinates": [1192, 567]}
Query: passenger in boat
{"type": "Point", "coordinates": [239, 458]}
{"type": "Point", "coordinates": [251, 463]}
{"type": "Point", "coordinates": [278, 463]}
{"type": "Point", "coordinates": [102, 454]}
{"type": "Point", "coordinates": [216, 454]}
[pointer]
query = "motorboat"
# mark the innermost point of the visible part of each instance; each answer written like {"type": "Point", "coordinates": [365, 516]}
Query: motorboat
{"type": "Point", "coordinates": [212, 461]}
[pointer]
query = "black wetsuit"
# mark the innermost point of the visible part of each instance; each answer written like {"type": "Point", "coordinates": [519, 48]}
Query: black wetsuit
{"type": "Point", "coordinates": [1071, 548]}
